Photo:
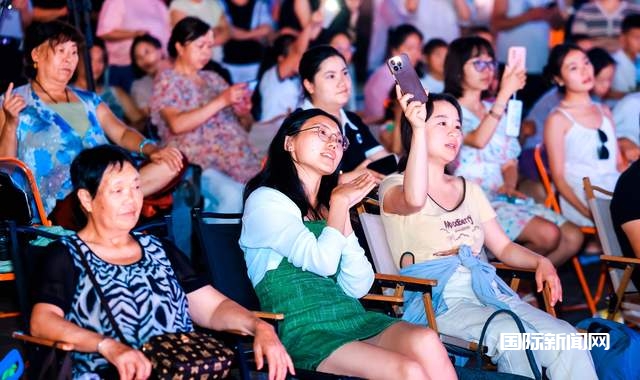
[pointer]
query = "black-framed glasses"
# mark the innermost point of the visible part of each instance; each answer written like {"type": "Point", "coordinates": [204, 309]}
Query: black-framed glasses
{"type": "Point", "coordinates": [326, 135]}
{"type": "Point", "coordinates": [481, 65]}
{"type": "Point", "coordinates": [603, 152]}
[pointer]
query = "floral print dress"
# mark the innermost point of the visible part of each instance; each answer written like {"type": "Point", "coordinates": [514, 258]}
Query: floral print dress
{"type": "Point", "coordinates": [220, 143]}
{"type": "Point", "coordinates": [484, 167]}
{"type": "Point", "coordinates": [47, 143]}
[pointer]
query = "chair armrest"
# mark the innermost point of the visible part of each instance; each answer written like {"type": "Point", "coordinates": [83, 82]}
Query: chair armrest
{"type": "Point", "coordinates": [459, 342]}
{"type": "Point", "coordinates": [383, 298]}
{"type": "Point", "coordinates": [620, 260]}
{"type": "Point", "coordinates": [64, 346]}
{"type": "Point", "coordinates": [267, 315]}
{"type": "Point", "coordinates": [404, 280]}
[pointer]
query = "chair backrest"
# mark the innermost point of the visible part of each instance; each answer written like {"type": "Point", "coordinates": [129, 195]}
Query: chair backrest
{"type": "Point", "coordinates": [377, 242]}
{"type": "Point", "coordinates": [219, 254]}
{"type": "Point", "coordinates": [599, 206]}
{"type": "Point", "coordinates": [19, 196]}
{"type": "Point", "coordinates": [27, 261]}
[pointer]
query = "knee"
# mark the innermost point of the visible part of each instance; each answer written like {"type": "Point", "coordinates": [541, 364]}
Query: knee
{"type": "Point", "coordinates": [572, 236]}
{"type": "Point", "coordinates": [424, 337]}
{"type": "Point", "coordinates": [547, 236]}
{"type": "Point", "coordinates": [409, 369]}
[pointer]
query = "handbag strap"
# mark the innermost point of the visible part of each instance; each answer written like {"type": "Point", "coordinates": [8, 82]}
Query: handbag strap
{"type": "Point", "coordinates": [96, 286]}
{"type": "Point", "coordinates": [532, 360]}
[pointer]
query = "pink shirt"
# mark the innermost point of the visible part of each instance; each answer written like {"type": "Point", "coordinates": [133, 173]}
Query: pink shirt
{"type": "Point", "coordinates": [149, 15]}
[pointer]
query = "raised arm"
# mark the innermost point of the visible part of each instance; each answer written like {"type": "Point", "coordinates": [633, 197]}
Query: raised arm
{"type": "Point", "coordinates": [500, 21]}
{"type": "Point", "coordinates": [12, 105]}
{"type": "Point", "coordinates": [512, 80]}
{"type": "Point", "coordinates": [412, 195]}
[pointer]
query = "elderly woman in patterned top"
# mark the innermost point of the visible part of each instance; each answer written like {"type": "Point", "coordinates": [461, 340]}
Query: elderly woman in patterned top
{"type": "Point", "coordinates": [46, 123]}
{"type": "Point", "coordinates": [200, 113]}
{"type": "Point", "coordinates": [146, 279]}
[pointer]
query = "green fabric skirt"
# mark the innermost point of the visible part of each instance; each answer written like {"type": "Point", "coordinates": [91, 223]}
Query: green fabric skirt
{"type": "Point", "coordinates": [319, 316]}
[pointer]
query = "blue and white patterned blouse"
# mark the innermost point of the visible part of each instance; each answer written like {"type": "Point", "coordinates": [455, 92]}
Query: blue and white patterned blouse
{"type": "Point", "coordinates": [48, 144]}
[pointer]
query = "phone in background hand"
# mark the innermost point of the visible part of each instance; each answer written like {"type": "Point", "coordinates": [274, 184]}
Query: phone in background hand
{"type": "Point", "coordinates": [406, 77]}
{"type": "Point", "coordinates": [385, 165]}
{"type": "Point", "coordinates": [517, 56]}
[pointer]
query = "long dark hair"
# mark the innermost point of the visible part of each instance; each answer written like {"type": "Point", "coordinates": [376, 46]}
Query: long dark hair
{"type": "Point", "coordinates": [145, 38]}
{"type": "Point", "coordinates": [460, 51]}
{"type": "Point", "coordinates": [406, 131]}
{"type": "Point", "coordinates": [280, 173]}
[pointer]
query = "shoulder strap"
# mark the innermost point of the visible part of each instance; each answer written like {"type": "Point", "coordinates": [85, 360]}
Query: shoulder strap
{"type": "Point", "coordinates": [98, 290]}
{"type": "Point", "coordinates": [566, 114]}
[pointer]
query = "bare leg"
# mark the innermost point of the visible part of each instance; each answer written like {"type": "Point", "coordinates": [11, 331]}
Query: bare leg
{"type": "Point", "coordinates": [155, 176]}
{"type": "Point", "coordinates": [571, 239]}
{"type": "Point", "coordinates": [403, 351]}
{"type": "Point", "coordinates": [540, 236]}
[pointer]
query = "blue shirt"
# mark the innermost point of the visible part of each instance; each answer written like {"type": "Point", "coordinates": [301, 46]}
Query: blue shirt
{"type": "Point", "coordinates": [48, 144]}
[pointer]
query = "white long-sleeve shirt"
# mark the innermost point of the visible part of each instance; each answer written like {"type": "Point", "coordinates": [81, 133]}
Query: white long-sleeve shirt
{"type": "Point", "coordinates": [273, 229]}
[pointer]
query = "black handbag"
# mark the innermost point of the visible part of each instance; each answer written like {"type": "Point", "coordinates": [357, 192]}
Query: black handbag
{"type": "Point", "coordinates": [180, 355]}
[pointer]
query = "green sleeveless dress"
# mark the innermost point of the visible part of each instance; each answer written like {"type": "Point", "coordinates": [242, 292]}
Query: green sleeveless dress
{"type": "Point", "coordinates": [319, 316]}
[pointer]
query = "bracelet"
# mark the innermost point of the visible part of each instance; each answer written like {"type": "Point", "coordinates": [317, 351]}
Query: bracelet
{"type": "Point", "coordinates": [104, 339]}
{"type": "Point", "coordinates": [143, 143]}
{"type": "Point", "coordinates": [494, 115]}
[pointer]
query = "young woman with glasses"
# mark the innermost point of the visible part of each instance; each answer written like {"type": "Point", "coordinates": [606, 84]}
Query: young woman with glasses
{"type": "Point", "coordinates": [489, 157]}
{"type": "Point", "coordinates": [305, 261]}
{"type": "Point", "coordinates": [579, 134]}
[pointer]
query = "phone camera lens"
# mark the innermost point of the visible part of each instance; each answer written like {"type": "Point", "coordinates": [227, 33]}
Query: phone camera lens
{"type": "Point", "coordinates": [395, 68]}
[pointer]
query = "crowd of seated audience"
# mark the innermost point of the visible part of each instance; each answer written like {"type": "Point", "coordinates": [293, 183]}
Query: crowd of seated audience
{"type": "Point", "coordinates": [185, 81]}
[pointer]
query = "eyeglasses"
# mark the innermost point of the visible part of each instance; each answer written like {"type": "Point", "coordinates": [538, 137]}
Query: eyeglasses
{"type": "Point", "coordinates": [603, 152]}
{"type": "Point", "coordinates": [481, 65]}
{"type": "Point", "coordinates": [325, 135]}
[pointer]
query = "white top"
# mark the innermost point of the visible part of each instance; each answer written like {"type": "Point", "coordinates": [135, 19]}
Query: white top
{"type": "Point", "coordinates": [581, 160]}
{"type": "Point", "coordinates": [208, 11]}
{"type": "Point", "coordinates": [279, 96]}
{"type": "Point", "coordinates": [626, 116]}
{"type": "Point", "coordinates": [432, 84]}
{"type": "Point", "coordinates": [624, 79]}
{"type": "Point", "coordinates": [273, 229]}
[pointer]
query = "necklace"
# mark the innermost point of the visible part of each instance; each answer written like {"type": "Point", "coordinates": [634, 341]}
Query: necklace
{"type": "Point", "coordinates": [66, 93]}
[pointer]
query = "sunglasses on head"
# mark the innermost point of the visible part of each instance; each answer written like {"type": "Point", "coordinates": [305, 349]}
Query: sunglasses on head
{"type": "Point", "coordinates": [603, 152]}
{"type": "Point", "coordinates": [481, 65]}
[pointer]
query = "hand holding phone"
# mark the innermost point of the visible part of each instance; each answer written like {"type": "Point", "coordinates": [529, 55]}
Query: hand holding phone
{"type": "Point", "coordinates": [406, 77]}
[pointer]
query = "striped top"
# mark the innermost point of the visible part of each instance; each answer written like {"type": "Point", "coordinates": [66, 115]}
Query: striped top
{"type": "Point", "coordinates": [593, 21]}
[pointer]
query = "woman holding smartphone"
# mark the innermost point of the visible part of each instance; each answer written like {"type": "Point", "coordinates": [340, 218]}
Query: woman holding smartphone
{"type": "Point", "coordinates": [489, 156]}
{"type": "Point", "coordinates": [200, 114]}
{"type": "Point", "coordinates": [327, 85]}
{"type": "Point", "coordinates": [305, 261]}
{"type": "Point", "coordinates": [445, 222]}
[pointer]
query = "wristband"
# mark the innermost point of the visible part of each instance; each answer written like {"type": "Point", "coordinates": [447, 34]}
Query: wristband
{"type": "Point", "coordinates": [494, 115]}
{"type": "Point", "coordinates": [143, 143]}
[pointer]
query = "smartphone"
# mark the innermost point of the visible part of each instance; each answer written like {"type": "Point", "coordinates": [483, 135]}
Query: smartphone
{"type": "Point", "coordinates": [406, 77]}
{"type": "Point", "coordinates": [252, 84]}
{"type": "Point", "coordinates": [385, 165]}
{"type": "Point", "coordinates": [517, 56]}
